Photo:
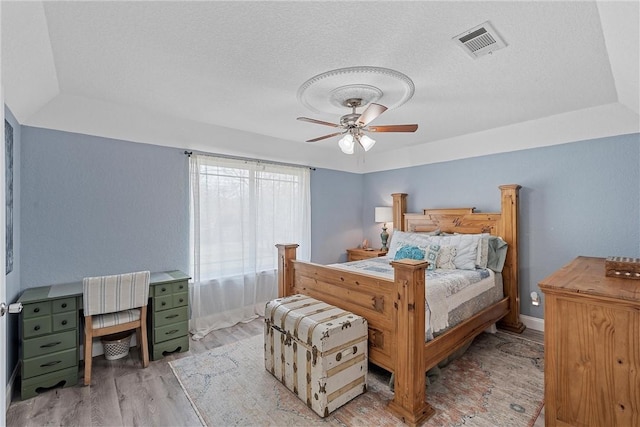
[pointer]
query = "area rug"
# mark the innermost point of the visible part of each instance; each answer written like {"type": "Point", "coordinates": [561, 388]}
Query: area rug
{"type": "Point", "coordinates": [498, 381]}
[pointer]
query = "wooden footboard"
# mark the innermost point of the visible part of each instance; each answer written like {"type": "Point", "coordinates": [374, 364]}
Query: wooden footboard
{"type": "Point", "coordinates": [395, 309]}
{"type": "Point", "coordinates": [395, 312]}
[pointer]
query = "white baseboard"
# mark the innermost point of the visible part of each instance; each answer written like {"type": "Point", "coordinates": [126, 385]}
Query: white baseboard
{"type": "Point", "coordinates": [10, 385]}
{"type": "Point", "coordinates": [532, 322]}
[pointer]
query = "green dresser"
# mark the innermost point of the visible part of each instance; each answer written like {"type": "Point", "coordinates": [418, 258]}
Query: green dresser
{"type": "Point", "coordinates": [51, 327]}
{"type": "Point", "coordinates": [168, 317]}
{"type": "Point", "coordinates": [49, 353]}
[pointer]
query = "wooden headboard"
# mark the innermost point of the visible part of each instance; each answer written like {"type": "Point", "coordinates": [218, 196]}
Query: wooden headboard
{"type": "Point", "coordinates": [466, 221]}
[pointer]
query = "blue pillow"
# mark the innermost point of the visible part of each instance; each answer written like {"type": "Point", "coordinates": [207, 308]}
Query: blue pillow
{"type": "Point", "coordinates": [409, 252]}
{"type": "Point", "coordinates": [431, 255]}
{"type": "Point", "coordinates": [414, 252]}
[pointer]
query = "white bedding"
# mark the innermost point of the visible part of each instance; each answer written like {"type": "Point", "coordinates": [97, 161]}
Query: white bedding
{"type": "Point", "coordinates": [445, 289]}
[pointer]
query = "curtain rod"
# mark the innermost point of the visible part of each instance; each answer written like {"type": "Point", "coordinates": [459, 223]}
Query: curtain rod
{"type": "Point", "coordinates": [246, 159]}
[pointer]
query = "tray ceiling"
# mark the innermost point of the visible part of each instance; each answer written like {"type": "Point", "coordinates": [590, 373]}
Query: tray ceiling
{"type": "Point", "coordinates": [223, 76]}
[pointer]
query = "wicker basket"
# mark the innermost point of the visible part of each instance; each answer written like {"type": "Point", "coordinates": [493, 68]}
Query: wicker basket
{"type": "Point", "coordinates": [116, 346]}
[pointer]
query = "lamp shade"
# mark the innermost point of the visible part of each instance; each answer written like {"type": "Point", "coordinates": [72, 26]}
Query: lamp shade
{"type": "Point", "coordinates": [346, 144]}
{"type": "Point", "coordinates": [366, 142]}
{"type": "Point", "coordinates": [384, 214]}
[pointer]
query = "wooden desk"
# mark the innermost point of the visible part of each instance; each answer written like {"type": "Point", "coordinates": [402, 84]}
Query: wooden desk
{"type": "Point", "coordinates": [50, 327]}
{"type": "Point", "coordinates": [592, 347]}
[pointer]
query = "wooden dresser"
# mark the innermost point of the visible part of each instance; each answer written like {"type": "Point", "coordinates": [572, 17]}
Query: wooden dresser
{"type": "Point", "coordinates": [592, 347]}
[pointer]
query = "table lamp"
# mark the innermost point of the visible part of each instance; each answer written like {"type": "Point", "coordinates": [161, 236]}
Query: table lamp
{"type": "Point", "coordinates": [384, 215]}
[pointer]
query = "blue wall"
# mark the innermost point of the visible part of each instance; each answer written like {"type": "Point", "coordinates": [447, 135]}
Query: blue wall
{"type": "Point", "coordinates": [90, 205]}
{"type": "Point", "coordinates": [581, 198]}
{"type": "Point", "coordinates": [336, 214]}
{"type": "Point", "coordinates": [93, 206]}
{"type": "Point", "coordinates": [13, 278]}
{"type": "Point", "coordinates": [98, 206]}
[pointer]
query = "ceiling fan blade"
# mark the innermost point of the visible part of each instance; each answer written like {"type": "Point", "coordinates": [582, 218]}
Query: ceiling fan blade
{"type": "Point", "coordinates": [319, 122]}
{"type": "Point", "coordinates": [393, 128]}
{"type": "Point", "coordinates": [325, 137]}
{"type": "Point", "coordinates": [370, 113]}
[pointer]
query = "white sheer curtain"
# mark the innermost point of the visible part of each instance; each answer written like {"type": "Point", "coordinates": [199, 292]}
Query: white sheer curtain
{"type": "Point", "coordinates": [239, 211]}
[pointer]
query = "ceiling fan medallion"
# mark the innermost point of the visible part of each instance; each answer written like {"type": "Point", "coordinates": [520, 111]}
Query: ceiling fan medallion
{"type": "Point", "coordinates": [366, 93]}
{"type": "Point", "coordinates": [326, 92]}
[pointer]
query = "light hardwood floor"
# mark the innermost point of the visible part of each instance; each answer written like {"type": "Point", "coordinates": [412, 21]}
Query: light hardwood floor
{"type": "Point", "coordinates": [124, 394]}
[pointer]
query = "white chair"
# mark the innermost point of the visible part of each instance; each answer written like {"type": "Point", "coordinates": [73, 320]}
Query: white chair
{"type": "Point", "coordinates": [115, 304]}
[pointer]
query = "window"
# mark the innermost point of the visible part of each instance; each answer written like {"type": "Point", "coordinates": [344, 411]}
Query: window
{"type": "Point", "coordinates": [239, 211]}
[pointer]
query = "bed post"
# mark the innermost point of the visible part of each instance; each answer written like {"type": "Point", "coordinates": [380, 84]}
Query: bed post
{"type": "Point", "coordinates": [286, 254]}
{"type": "Point", "coordinates": [509, 232]}
{"type": "Point", "coordinates": [408, 355]}
{"type": "Point", "coordinates": [399, 209]}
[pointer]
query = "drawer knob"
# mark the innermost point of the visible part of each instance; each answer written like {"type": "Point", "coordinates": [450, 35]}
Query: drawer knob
{"type": "Point", "coordinates": [64, 322]}
{"type": "Point", "coordinates": [164, 289]}
{"type": "Point", "coordinates": [181, 286]}
{"type": "Point", "coordinates": [64, 305]}
{"type": "Point", "coordinates": [36, 310]}
{"type": "Point", "coordinates": [163, 303]}
{"type": "Point", "coordinates": [36, 328]}
{"type": "Point", "coordinates": [181, 300]}
{"type": "Point", "coordinates": [46, 365]}
{"type": "Point", "coordinates": [171, 316]}
{"type": "Point", "coordinates": [171, 332]}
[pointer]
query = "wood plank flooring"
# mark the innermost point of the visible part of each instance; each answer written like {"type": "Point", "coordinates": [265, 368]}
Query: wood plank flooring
{"type": "Point", "coordinates": [124, 394]}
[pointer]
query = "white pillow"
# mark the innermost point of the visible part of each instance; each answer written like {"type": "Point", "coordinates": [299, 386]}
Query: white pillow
{"type": "Point", "coordinates": [403, 238]}
{"type": "Point", "coordinates": [446, 256]}
{"type": "Point", "coordinates": [466, 248]}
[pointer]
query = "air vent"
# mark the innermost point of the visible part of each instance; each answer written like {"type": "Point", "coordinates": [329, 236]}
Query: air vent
{"type": "Point", "coordinates": [480, 40]}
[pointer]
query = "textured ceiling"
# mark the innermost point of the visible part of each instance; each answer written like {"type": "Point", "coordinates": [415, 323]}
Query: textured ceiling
{"type": "Point", "coordinates": [223, 76]}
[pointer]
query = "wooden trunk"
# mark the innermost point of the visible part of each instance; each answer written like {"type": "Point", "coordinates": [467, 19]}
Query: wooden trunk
{"type": "Point", "coordinates": [316, 350]}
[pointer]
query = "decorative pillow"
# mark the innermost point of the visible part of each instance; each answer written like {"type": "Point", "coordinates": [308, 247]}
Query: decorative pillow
{"type": "Point", "coordinates": [431, 255]}
{"type": "Point", "coordinates": [445, 258]}
{"type": "Point", "coordinates": [409, 252]}
{"type": "Point", "coordinates": [466, 248]}
{"type": "Point", "coordinates": [403, 238]}
{"type": "Point", "coordinates": [497, 253]}
{"type": "Point", "coordinates": [483, 251]}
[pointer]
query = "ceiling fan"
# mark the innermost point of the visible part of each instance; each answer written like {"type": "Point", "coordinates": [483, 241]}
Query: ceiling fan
{"type": "Point", "coordinates": [355, 125]}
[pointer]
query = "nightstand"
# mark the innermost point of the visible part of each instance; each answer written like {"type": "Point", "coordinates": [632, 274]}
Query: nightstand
{"type": "Point", "coordinates": [356, 254]}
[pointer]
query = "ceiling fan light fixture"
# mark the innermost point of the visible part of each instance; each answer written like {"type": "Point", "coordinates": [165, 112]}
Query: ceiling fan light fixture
{"type": "Point", "coordinates": [346, 144]}
{"type": "Point", "coordinates": [366, 142]}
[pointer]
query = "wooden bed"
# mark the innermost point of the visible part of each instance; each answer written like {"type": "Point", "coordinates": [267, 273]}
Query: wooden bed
{"type": "Point", "coordinates": [395, 309]}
